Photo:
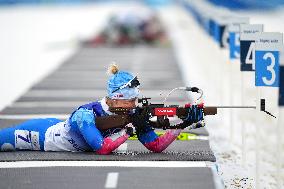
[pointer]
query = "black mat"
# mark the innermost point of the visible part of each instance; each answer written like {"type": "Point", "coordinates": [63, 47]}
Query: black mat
{"type": "Point", "coordinates": [163, 84]}
{"type": "Point", "coordinates": [10, 122]}
{"type": "Point", "coordinates": [194, 150]}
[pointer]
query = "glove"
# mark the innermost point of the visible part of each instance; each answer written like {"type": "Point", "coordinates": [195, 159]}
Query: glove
{"type": "Point", "coordinates": [130, 129]}
{"type": "Point", "coordinates": [139, 121]}
{"type": "Point", "coordinates": [195, 114]}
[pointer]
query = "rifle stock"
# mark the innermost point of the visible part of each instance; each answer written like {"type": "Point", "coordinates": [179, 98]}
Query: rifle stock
{"type": "Point", "coordinates": [112, 121]}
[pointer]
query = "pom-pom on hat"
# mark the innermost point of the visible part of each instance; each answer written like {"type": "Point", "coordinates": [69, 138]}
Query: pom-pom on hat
{"type": "Point", "coordinates": [112, 69]}
{"type": "Point", "coordinates": [121, 84]}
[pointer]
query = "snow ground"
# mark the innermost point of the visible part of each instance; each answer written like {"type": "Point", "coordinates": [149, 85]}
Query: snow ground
{"type": "Point", "coordinates": [248, 155]}
{"type": "Point", "coordinates": [35, 40]}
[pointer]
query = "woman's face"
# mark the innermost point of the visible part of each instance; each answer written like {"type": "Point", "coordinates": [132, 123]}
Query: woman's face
{"type": "Point", "coordinates": [123, 103]}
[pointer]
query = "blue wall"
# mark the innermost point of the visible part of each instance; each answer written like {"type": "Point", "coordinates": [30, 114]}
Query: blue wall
{"type": "Point", "coordinates": [248, 4]}
{"type": "Point", "coordinates": [13, 2]}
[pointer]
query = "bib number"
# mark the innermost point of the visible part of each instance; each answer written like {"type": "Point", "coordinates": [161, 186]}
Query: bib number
{"type": "Point", "coordinates": [27, 140]}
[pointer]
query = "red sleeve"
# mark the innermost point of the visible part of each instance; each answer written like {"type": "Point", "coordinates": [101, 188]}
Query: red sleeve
{"type": "Point", "coordinates": [163, 141]}
{"type": "Point", "coordinates": [112, 142]}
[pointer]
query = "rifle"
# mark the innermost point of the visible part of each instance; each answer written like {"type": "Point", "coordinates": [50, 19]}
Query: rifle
{"type": "Point", "coordinates": [147, 111]}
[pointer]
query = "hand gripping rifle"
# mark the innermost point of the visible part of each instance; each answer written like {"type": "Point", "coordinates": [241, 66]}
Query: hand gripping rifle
{"type": "Point", "coordinates": [148, 111]}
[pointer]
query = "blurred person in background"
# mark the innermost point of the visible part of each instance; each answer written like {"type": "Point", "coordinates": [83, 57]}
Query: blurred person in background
{"type": "Point", "coordinates": [131, 27]}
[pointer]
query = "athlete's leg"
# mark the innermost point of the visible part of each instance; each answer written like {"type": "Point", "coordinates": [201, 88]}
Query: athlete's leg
{"type": "Point", "coordinates": [29, 135]}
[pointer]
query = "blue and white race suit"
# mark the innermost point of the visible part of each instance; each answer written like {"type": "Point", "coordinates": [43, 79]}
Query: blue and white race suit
{"type": "Point", "coordinates": [77, 133]}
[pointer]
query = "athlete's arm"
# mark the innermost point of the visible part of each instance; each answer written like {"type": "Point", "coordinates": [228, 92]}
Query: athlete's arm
{"type": "Point", "coordinates": [156, 143]}
{"type": "Point", "coordinates": [84, 119]}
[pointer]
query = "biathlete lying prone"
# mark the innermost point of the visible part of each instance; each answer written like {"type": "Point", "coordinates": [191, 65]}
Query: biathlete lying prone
{"type": "Point", "coordinates": [79, 132]}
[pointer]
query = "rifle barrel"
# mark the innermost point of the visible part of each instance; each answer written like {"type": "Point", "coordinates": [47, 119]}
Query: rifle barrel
{"type": "Point", "coordinates": [248, 107]}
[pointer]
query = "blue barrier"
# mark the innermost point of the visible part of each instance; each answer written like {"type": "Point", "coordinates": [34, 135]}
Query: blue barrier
{"type": "Point", "coordinates": [234, 41]}
{"type": "Point", "coordinates": [281, 84]}
{"type": "Point", "coordinates": [248, 4]}
{"type": "Point", "coordinates": [241, 49]}
{"type": "Point", "coordinates": [34, 2]}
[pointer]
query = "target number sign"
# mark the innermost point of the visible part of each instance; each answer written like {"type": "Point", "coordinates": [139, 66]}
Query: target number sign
{"type": "Point", "coordinates": [267, 47]}
{"type": "Point", "coordinates": [247, 45]}
{"type": "Point", "coordinates": [267, 68]}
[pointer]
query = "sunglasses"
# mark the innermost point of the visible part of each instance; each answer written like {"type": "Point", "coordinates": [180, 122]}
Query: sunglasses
{"type": "Point", "coordinates": [131, 84]}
